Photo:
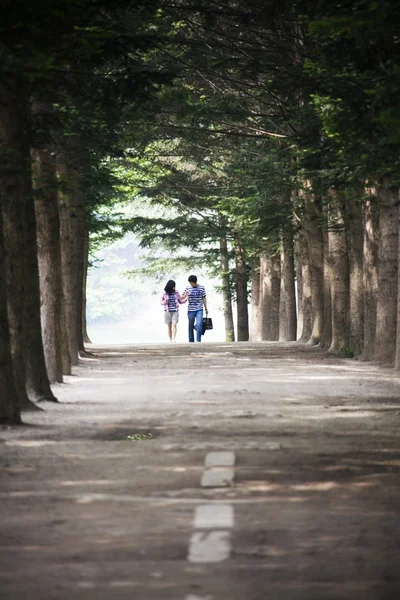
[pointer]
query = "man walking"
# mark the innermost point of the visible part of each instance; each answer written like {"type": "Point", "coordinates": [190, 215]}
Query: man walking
{"type": "Point", "coordinates": [197, 300]}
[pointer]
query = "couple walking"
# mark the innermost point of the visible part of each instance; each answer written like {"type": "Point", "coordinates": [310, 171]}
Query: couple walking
{"type": "Point", "coordinates": [195, 295]}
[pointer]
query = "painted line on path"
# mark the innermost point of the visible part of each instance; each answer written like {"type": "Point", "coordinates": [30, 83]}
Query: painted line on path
{"type": "Point", "coordinates": [211, 516]}
{"type": "Point", "coordinates": [213, 522]}
{"type": "Point", "coordinates": [219, 469]}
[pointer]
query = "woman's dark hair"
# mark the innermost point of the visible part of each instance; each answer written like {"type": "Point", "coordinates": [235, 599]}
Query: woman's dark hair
{"type": "Point", "coordinates": [170, 287]}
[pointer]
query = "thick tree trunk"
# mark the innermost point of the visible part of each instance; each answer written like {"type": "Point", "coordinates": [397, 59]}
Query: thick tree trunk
{"type": "Point", "coordinates": [241, 293]}
{"type": "Point", "coordinates": [49, 256]}
{"type": "Point", "coordinates": [340, 282]}
{"type": "Point", "coordinates": [16, 168]}
{"type": "Point", "coordinates": [315, 244]}
{"type": "Point", "coordinates": [9, 407]}
{"type": "Point", "coordinates": [355, 242]}
{"type": "Point", "coordinates": [86, 338]}
{"type": "Point", "coordinates": [226, 289]}
{"type": "Point", "coordinates": [255, 323]}
{"type": "Point", "coordinates": [386, 314]}
{"type": "Point", "coordinates": [287, 308]}
{"type": "Point", "coordinates": [397, 361]}
{"type": "Point", "coordinates": [270, 265]}
{"type": "Point", "coordinates": [304, 319]}
{"type": "Point", "coordinates": [38, 384]}
{"type": "Point", "coordinates": [370, 274]}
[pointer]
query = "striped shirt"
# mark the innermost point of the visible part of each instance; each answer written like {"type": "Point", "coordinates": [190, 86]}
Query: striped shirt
{"type": "Point", "coordinates": [196, 295]}
{"type": "Point", "coordinates": [171, 301]}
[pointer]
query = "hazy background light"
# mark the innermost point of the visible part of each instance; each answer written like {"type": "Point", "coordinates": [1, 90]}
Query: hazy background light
{"type": "Point", "coordinates": [128, 311]}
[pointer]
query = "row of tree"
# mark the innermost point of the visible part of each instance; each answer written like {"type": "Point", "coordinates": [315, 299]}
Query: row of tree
{"type": "Point", "coordinates": [72, 76]}
{"type": "Point", "coordinates": [271, 129]}
{"type": "Point", "coordinates": [279, 148]}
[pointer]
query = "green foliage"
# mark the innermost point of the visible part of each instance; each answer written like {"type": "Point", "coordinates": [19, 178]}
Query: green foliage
{"type": "Point", "coordinates": [139, 437]}
{"type": "Point", "coordinates": [208, 117]}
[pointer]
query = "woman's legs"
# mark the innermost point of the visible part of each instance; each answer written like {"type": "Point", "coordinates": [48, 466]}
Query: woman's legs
{"type": "Point", "coordinates": [169, 325]}
{"type": "Point", "coordinates": [174, 331]}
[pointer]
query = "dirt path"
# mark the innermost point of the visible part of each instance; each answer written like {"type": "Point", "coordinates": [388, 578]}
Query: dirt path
{"type": "Point", "coordinates": [265, 471]}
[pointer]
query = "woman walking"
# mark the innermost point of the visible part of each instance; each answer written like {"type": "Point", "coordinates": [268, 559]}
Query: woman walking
{"type": "Point", "coordinates": [171, 299]}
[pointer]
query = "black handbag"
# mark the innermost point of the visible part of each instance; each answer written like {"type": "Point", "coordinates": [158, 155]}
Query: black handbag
{"type": "Point", "coordinates": [207, 324]}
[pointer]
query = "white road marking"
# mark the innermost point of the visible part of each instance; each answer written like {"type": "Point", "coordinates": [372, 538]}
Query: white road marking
{"type": "Point", "coordinates": [218, 477]}
{"type": "Point", "coordinates": [193, 597]}
{"type": "Point", "coordinates": [220, 459]}
{"type": "Point", "coordinates": [209, 547]}
{"type": "Point", "coordinates": [213, 516]}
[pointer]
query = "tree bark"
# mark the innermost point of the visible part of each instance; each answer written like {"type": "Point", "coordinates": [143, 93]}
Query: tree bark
{"type": "Point", "coordinates": [86, 338]}
{"type": "Point", "coordinates": [16, 169]}
{"type": "Point", "coordinates": [226, 289]}
{"type": "Point", "coordinates": [241, 292]}
{"type": "Point", "coordinates": [327, 330]}
{"type": "Point", "coordinates": [397, 360]}
{"type": "Point", "coordinates": [9, 407]}
{"type": "Point", "coordinates": [340, 282]}
{"type": "Point", "coordinates": [355, 243]}
{"type": "Point", "coordinates": [386, 314]}
{"type": "Point", "coordinates": [80, 236]}
{"type": "Point", "coordinates": [49, 255]}
{"type": "Point", "coordinates": [304, 319]}
{"type": "Point", "coordinates": [270, 265]}
{"type": "Point", "coordinates": [38, 383]}
{"type": "Point", "coordinates": [287, 308]}
{"type": "Point", "coordinates": [255, 323]}
{"type": "Point", "coordinates": [370, 274]}
{"type": "Point", "coordinates": [69, 252]}
{"type": "Point", "coordinates": [315, 244]}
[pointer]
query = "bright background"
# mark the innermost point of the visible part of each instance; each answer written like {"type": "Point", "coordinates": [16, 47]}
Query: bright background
{"type": "Point", "coordinates": [127, 311]}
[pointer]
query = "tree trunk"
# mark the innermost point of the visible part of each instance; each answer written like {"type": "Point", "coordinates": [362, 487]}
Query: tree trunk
{"type": "Point", "coordinates": [327, 331]}
{"type": "Point", "coordinates": [226, 289]}
{"type": "Point", "coordinates": [9, 408]}
{"type": "Point", "coordinates": [38, 384]}
{"type": "Point", "coordinates": [270, 265]}
{"type": "Point", "coordinates": [315, 245]}
{"type": "Point", "coordinates": [66, 361]}
{"type": "Point", "coordinates": [255, 325]}
{"type": "Point", "coordinates": [14, 142]}
{"type": "Point", "coordinates": [241, 293]}
{"type": "Point", "coordinates": [370, 274]}
{"type": "Point", "coordinates": [386, 314]}
{"type": "Point", "coordinates": [287, 308]}
{"type": "Point", "coordinates": [69, 253]}
{"type": "Point", "coordinates": [340, 283]}
{"type": "Point", "coordinates": [86, 338]}
{"type": "Point", "coordinates": [397, 360]}
{"type": "Point", "coordinates": [49, 255]}
{"type": "Point", "coordinates": [304, 319]}
{"type": "Point", "coordinates": [355, 242]}
{"type": "Point", "coordinates": [80, 236]}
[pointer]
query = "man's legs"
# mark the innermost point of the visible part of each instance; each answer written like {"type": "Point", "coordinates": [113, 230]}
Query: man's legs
{"type": "Point", "coordinates": [199, 324]}
{"type": "Point", "coordinates": [191, 319]}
